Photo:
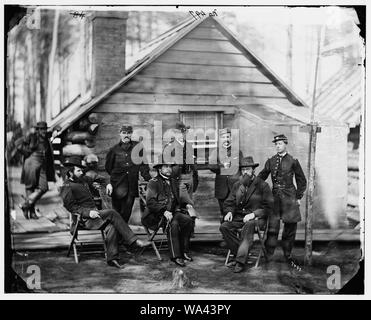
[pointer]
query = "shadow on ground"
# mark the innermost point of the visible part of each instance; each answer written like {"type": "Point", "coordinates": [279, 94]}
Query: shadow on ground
{"type": "Point", "coordinates": [207, 273]}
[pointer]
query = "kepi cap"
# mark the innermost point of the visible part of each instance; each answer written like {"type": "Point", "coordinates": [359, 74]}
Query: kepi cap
{"type": "Point", "coordinates": [280, 137]}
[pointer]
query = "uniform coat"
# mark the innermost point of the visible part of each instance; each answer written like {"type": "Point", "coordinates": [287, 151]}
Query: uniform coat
{"type": "Point", "coordinates": [163, 196]}
{"type": "Point", "coordinates": [78, 199]}
{"type": "Point", "coordinates": [184, 157]}
{"type": "Point", "coordinates": [124, 174]}
{"type": "Point", "coordinates": [256, 198]}
{"type": "Point", "coordinates": [31, 171]}
{"type": "Point", "coordinates": [284, 191]}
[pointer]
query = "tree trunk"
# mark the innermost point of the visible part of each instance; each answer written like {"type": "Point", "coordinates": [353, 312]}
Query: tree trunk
{"type": "Point", "coordinates": [13, 91]}
{"type": "Point", "coordinates": [51, 66]}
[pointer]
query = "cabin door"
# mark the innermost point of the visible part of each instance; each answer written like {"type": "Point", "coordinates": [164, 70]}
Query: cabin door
{"type": "Point", "coordinates": [205, 127]}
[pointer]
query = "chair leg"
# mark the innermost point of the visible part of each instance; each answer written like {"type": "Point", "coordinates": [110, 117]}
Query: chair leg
{"type": "Point", "coordinates": [227, 258]}
{"type": "Point", "coordinates": [156, 251]}
{"type": "Point", "coordinates": [261, 242]}
{"type": "Point", "coordinates": [150, 239]}
{"type": "Point", "coordinates": [75, 253]}
{"type": "Point", "coordinates": [258, 259]}
{"type": "Point", "coordinates": [74, 236]}
{"type": "Point", "coordinates": [104, 244]}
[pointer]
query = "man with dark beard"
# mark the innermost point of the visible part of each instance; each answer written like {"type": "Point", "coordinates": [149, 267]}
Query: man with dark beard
{"type": "Point", "coordinates": [249, 203]}
{"type": "Point", "coordinates": [78, 199]}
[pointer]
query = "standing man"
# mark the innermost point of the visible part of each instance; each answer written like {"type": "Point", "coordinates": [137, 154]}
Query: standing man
{"type": "Point", "coordinates": [184, 171]}
{"type": "Point", "coordinates": [223, 159]}
{"type": "Point", "coordinates": [283, 168]}
{"type": "Point", "coordinates": [78, 199]}
{"type": "Point", "coordinates": [38, 167]}
{"type": "Point", "coordinates": [249, 203]}
{"type": "Point", "coordinates": [124, 173]}
{"type": "Point", "coordinates": [166, 207]}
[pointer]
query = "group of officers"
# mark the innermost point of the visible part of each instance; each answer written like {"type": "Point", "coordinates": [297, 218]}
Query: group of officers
{"type": "Point", "coordinates": [244, 198]}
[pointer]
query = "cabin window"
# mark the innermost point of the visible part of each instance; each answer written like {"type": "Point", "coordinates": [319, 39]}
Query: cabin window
{"type": "Point", "coordinates": [205, 127]}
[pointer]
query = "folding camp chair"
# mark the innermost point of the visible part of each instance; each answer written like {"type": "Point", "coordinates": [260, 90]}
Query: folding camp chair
{"type": "Point", "coordinates": [262, 234]}
{"type": "Point", "coordinates": [151, 234]}
{"type": "Point", "coordinates": [76, 226]}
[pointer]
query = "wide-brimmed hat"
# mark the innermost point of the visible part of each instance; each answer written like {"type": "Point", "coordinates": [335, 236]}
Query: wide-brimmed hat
{"type": "Point", "coordinates": [181, 126]}
{"type": "Point", "coordinates": [126, 128]}
{"type": "Point", "coordinates": [74, 161]}
{"type": "Point", "coordinates": [41, 125]}
{"type": "Point", "coordinates": [248, 162]}
{"type": "Point", "coordinates": [280, 137]}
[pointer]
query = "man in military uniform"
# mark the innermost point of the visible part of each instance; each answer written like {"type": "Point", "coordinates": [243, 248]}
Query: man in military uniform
{"type": "Point", "coordinates": [184, 170]}
{"type": "Point", "coordinates": [38, 167]}
{"type": "Point", "coordinates": [124, 173]}
{"type": "Point", "coordinates": [165, 207]}
{"type": "Point", "coordinates": [249, 203]}
{"type": "Point", "coordinates": [283, 168]}
{"type": "Point", "coordinates": [222, 158]}
{"type": "Point", "coordinates": [78, 199]}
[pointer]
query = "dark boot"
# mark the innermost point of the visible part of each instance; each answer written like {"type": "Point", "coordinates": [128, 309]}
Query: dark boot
{"type": "Point", "coordinates": [33, 214]}
{"type": "Point", "coordinates": [239, 267]}
{"type": "Point", "coordinates": [25, 209]}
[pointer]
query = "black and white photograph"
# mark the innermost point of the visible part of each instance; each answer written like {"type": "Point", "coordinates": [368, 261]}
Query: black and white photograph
{"type": "Point", "coordinates": [211, 150]}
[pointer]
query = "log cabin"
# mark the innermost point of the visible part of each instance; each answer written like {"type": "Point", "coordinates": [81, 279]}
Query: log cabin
{"type": "Point", "coordinates": [201, 73]}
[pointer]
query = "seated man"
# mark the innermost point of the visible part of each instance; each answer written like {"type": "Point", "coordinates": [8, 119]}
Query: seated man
{"type": "Point", "coordinates": [250, 202]}
{"type": "Point", "coordinates": [165, 208]}
{"type": "Point", "coordinates": [77, 198]}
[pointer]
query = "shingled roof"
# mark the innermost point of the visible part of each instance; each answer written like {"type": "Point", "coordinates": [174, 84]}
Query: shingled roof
{"type": "Point", "coordinates": [342, 96]}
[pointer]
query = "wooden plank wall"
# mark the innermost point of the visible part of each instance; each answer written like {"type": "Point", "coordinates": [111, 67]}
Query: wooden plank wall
{"type": "Point", "coordinates": [204, 69]}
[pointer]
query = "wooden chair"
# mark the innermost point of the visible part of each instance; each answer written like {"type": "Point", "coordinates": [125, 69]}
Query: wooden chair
{"type": "Point", "coordinates": [262, 234]}
{"type": "Point", "coordinates": [151, 234]}
{"type": "Point", "coordinates": [76, 226]}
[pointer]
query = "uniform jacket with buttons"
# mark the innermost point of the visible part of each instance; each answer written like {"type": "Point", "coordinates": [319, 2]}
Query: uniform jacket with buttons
{"type": "Point", "coordinates": [286, 194]}
{"type": "Point", "coordinates": [223, 182]}
{"type": "Point", "coordinates": [77, 196]}
{"type": "Point", "coordinates": [162, 197]}
{"type": "Point", "coordinates": [124, 174]}
{"type": "Point", "coordinates": [256, 198]}
{"type": "Point", "coordinates": [184, 157]}
{"type": "Point", "coordinates": [78, 199]}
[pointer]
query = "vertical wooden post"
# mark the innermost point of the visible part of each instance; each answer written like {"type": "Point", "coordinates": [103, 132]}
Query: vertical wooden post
{"type": "Point", "coordinates": [310, 196]}
{"type": "Point", "coordinates": [52, 55]}
{"type": "Point", "coordinates": [311, 163]}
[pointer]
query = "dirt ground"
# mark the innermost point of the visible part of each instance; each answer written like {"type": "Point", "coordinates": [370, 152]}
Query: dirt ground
{"type": "Point", "coordinates": [207, 273]}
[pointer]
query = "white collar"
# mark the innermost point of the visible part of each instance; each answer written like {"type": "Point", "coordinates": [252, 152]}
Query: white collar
{"type": "Point", "coordinates": [282, 155]}
{"type": "Point", "coordinates": [166, 178]}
